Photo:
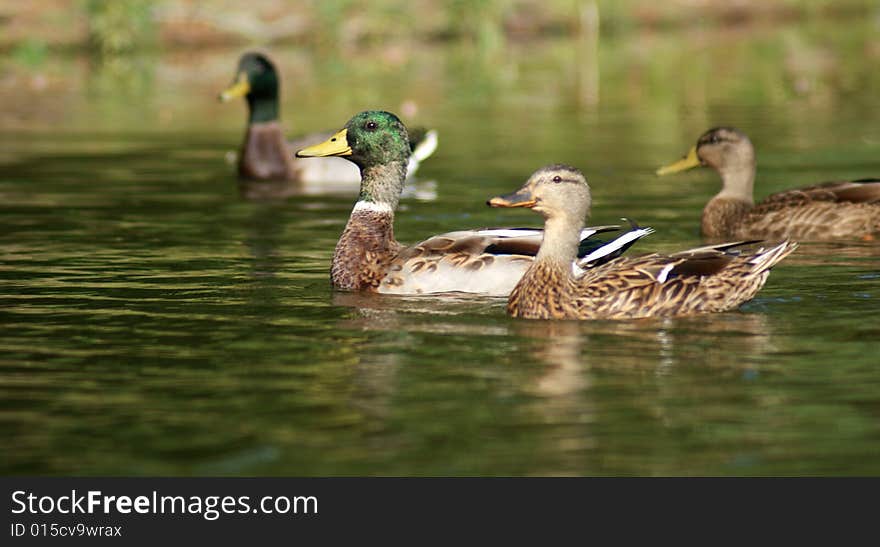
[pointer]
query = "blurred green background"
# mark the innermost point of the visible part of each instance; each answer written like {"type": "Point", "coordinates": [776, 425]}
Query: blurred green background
{"type": "Point", "coordinates": [682, 52]}
{"type": "Point", "coordinates": [131, 25]}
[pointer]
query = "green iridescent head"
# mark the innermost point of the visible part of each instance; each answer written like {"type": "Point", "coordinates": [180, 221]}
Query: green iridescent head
{"type": "Point", "coordinates": [377, 142]}
{"type": "Point", "coordinates": [257, 81]}
{"type": "Point", "coordinates": [369, 139]}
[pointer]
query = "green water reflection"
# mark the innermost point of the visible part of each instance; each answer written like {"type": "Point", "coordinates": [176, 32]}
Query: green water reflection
{"type": "Point", "coordinates": [154, 322]}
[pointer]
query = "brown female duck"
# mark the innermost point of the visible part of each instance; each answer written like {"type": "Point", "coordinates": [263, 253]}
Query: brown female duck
{"type": "Point", "coordinates": [701, 280]}
{"type": "Point", "coordinates": [369, 258]}
{"type": "Point", "coordinates": [832, 210]}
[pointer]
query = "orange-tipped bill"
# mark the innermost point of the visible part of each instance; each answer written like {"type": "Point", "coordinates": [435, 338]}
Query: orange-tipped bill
{"type": "Point", "coordinates": [240, 88]}
{"type": "Point", "coordinates": [520, 198]}
{"type": "Point", "coordinates": [337, 145]}
{"type": "Point", "coordinates": [688, 162]}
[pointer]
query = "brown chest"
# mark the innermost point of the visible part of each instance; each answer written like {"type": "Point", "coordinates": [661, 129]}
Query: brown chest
{"type": "Point", "coordinates": [723, 218]}
{"type": "Point", "coordinates": [264, 154]}
{"type": "Point", "coordinates": [364, 252]}
{"type": "Point", "coordinates": [542, 293]}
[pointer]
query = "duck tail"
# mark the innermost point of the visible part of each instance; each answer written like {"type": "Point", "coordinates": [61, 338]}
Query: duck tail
{"type": "Point", "coordinates": [425, 146]}
{"type": "Point", "coordinates": [765, 259]}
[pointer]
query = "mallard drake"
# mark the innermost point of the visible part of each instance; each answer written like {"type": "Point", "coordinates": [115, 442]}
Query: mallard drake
{"type": "Point", "coordinates": [832, 210]}
{"type": "Point", "coordinates": [701, 280]}
{"type": "Point", "coordinates": [266, 155]}
{"type": "Point", "coordinates": [367, 257]}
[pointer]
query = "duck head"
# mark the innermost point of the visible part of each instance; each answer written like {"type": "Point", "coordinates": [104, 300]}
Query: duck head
{"type": "Point", "coordinates": [726, 150]}
{"type": "Point", "coordinates": [257, 81]}
{"type": "Point", "coordinates": [552, 191]}
{"type": "Point", "coordinates": [721, 148]}
{"type": "Point", "coordinates": [378, 143]}
{"type": "Point", "coordinates": [373, 137]}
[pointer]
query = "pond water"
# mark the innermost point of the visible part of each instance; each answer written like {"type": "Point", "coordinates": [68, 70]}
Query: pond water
{"type": "Point", "coordinates": [155, 322]}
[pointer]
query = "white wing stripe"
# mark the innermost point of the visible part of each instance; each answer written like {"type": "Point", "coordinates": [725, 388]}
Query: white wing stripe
{"type": "Point", "coordinates": [616, 245]}
{"type": "Point", "coordinates": [528, 232]}
{"type": "Point", "coordinates": [510, 232]}
{"type": "Point", "coordinates": [664, 273]}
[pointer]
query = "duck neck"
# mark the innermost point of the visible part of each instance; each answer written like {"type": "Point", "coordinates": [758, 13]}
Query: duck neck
{"type": "Point", "coordinates": [381, 185]}
{"type": "Point", "coordinates": [263, 108]}
{"type": "Point", "coordinates": [548, 282]}
{"type": "Point", "coordinates": [724, 213]}
{"type": "Point", "coordinates": [560, 245]}
{"type": "Point", "coordinates": [738, 181]}
{"type": "Point", "coordinates": [367, 244]}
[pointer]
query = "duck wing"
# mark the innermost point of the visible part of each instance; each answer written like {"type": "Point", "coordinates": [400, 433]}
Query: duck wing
{"type": "Point", "coordinates": [700, 280]}
{"type": "Point", "coordinates": [831, 210]}
{"type": "Point", "coordinates": [842, 191]}
{"type": "Point", "coordinates": [488, 261]}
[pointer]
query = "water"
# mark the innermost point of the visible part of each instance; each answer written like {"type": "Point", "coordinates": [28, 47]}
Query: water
{"type": "Point", "coordinates": [154, 322]}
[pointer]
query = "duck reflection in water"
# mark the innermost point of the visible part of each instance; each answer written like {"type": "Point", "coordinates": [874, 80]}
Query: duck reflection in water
{"type": "Point", "coordinates": [736, 341]}
{"type": "Point", "coordinates": [568, 382]}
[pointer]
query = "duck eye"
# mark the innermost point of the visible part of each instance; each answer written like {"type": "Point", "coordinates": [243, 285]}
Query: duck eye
{"type": "Point", "coordinates": [557, 178]}
{"type": "Point", "coordinates": [371, 126]}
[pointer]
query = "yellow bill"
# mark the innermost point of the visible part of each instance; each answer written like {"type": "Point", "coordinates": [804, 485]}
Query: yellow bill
{"type": "Point", "coordinates": [337, 145]}
{"type": "Point", "coordinates": [520, 198]}
{"type": "Point", "coordinates": [688, 162]}
{"type": "Point", "coordinates": [240, 88]}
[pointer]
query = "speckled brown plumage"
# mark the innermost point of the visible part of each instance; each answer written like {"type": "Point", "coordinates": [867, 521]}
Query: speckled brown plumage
{"type": "Point", "coordinates": [688, 283]}
{"type": "Point", "coordinates": [364, 251]}
{"type": "Point", "coordinates": [828, 211]}
{"type": "Point", "coordinates": [835, 210]}
{"type": "Point", "coordinates": [702, 280]}
{"type": "Point", "coordinates": [722, 217]}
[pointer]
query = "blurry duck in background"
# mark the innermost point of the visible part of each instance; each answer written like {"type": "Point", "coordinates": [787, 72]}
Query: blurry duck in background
{"type": "Point", "coordinates": [832, 210]}
{"type": "Point", "coordinates": [702, 280]}
{"type": "Point", "coordinates": [265, 155]}
{"type": "Point", "coordinates": [369, 258]}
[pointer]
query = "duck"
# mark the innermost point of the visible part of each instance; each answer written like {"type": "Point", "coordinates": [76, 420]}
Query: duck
{"type": "Point", "coordinates": [836, 210]}
{"type": "Point", "coordinates": [487, 261]}
{"type": "Point", "coordinates": [265, 155]}
{"type": "Point", "coordinates": [707, 279]}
